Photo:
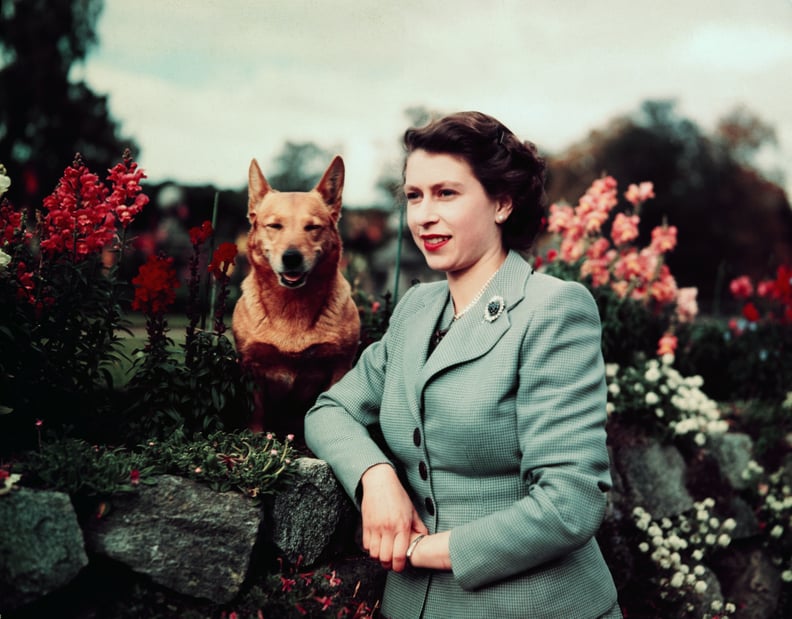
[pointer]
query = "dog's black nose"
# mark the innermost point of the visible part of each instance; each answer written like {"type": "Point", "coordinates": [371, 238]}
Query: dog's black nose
{"type": "Point", "coordinates": [292, 259]}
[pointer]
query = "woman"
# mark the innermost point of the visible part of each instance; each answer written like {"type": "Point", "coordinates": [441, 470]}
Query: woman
{"type": "Point", "coordinates": [473, 433]}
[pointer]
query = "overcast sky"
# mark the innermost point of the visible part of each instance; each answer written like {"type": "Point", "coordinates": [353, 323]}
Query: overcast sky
{"type": "Point", "coordinates": [206, 85]}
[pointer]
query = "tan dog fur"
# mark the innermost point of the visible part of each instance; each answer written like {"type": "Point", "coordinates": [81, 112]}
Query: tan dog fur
{"type": "Point", "coordinates": [296, 326]}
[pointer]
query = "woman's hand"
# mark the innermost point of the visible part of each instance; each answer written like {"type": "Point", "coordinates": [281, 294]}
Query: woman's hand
{"type": "Point", "coordinates": [389, 518]}
{"type": "Point", "coordinates": [432, 552]}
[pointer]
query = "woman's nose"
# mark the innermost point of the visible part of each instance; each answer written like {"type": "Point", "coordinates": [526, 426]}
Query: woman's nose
{"type": "Point", "coordinates": [425, 212]}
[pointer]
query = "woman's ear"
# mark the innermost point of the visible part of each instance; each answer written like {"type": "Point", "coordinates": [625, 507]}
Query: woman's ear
{"type": "Point", "coordinates": [503, 210]}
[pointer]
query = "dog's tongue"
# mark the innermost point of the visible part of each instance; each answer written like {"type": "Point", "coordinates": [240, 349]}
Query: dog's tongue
{"type": "Point", "coordinates": [291, 278]}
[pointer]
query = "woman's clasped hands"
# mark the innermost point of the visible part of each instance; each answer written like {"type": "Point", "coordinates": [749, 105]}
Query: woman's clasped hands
{"type": "Point", "coordinates": [390, 521]}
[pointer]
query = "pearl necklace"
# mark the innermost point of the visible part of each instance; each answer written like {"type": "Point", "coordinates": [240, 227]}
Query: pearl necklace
{"type": "Point", "coordinates": [478, 296]}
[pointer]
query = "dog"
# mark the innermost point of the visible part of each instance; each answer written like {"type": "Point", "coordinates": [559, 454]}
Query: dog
{"type": "Point", "coordinates": [295, 325]}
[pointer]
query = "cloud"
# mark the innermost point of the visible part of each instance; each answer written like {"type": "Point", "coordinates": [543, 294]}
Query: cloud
{"type": "Point", "coordinates": [204, 85]}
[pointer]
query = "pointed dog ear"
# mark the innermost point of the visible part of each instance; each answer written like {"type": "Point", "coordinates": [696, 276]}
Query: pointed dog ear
{"type": "Point", "coordinates": [331, 185]}
{"type": "Point", "coordinates": [257, 188]}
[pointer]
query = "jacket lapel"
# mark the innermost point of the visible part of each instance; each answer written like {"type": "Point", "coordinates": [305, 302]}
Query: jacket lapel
{"type": "Point", "coordinates": [472, 336]}
{"type": "Point", "coordinates": [416, 347]}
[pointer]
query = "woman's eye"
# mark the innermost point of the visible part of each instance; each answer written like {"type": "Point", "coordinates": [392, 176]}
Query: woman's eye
{"type": "Point", "coordinates": [411, 196]}
{"type": "Point", "coordinates": [446, 193]}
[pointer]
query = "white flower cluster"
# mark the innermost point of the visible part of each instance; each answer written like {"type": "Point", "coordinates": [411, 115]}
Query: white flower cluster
{"type": "Point", "coordinates": [661, 393]}
{"type": "Point", "coordinates": [752, 471]}
{"type": "Point", "coordinates": [678, 546]}
{"type": "Point", "coordinates": [776, 514]}
{"type": "Point", "coordinates": [5, 183]}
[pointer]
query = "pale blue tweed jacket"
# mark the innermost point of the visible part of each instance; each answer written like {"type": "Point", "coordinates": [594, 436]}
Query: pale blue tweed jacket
{"type": "Point", "coordinates": [498, 436]}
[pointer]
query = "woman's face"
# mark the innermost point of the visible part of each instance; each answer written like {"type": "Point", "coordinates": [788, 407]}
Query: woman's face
{"type": "Point", "coordinates": [452, 219]}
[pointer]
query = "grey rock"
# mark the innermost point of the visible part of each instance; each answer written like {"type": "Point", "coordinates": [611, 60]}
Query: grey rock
{"type": "Point", "coordinates": [308, 514]}
{"type": "Point", "coordinates": [755, 582]}
{"type": "Point", "coordinates": [744, 516]}
{"type": "Point", "coordinates": [733, 451]}
{"type": "Point", "coordinates": [41, 546]}
{"type": "Point", "coordinates": [654, 478]}
{"type": "Point", "coordinates": [183, 535]}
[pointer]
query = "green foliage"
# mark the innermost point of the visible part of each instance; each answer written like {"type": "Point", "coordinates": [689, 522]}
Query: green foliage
{"type": "Point", "coordinates": [629, 328]}
{"type": "Point", "coordinates": [252, 464]}
{"type": "Point", "coordinates": [295, 592]}
{"type": "Point", "coordinates": [769, 423]}
{"type": "Point", "coordinates": [374, 317]}
{"type": "Point", "coordinates": [210, 393]}
{"type": "Point", "coordinates": [78, 468]}
{"type": "Point", "coordinates": [57, 362]}
{"type": "Point", "coordinates": [746, 361]}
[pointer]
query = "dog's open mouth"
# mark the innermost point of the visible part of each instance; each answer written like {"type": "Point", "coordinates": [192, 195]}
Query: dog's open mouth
{"type": "Point", "coordinates": [293, 279]}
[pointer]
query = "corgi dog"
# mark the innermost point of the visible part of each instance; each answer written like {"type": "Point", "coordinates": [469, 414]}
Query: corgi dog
{"type": "Point", "coordinates": [296, 326]}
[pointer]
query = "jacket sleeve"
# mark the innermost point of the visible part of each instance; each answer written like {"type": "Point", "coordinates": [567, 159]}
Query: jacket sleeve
{"type": "Point", "coordinates": [560, 407]}
{"type": "Point", "coordinates": [342, 425]}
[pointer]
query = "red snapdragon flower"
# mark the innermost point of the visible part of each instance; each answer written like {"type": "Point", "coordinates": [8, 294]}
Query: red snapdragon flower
{"type": "Point", "coordinates": [134, 477]}
{"type": "Point", "coordinates": [155, 286]}
{"type": "Point", "coordinates": [126, 199]}
{"type": "Point", "coordinates": [741, 287]}
{"type": "Point", "coordinates": [82, 213]}
{"type": "Point", "coordinates": [200, 234]}
{"type": "Point", "coordinates": [222, 259]}
{"type": "Point", "coordinates": [750, 312]}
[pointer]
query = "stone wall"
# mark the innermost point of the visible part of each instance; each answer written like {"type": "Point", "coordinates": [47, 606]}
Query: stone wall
{"type": "Point", "coordinates": [200, 544]}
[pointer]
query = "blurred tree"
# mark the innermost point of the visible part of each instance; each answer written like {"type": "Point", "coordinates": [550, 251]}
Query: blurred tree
{"type": "Point", "coordinates": [390, 180]}
{"type": "Point", "coordinates": [45, 118]}
{"type": "Point", "coordinates": [731, 220]}
{"type": "Point", "coordinates": [298, 167]}
{"type": "Point", "coordinates": [742, 133]}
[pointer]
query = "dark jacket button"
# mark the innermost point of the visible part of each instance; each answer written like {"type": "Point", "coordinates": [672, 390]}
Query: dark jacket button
{"type": "Point", "coordinates": [430, 506]}
{"type": "Point", "coordinates": [417, 437]}
{"type": "Point", "coordinates": [422, 470]}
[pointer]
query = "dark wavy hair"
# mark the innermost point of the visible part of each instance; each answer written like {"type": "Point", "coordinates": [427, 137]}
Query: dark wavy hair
{"type": "Point", "coordinates": [504, 165]}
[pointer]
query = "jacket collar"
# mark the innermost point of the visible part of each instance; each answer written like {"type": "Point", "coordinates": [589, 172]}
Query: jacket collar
{"type": "Point", "coordinates": [468, 338]}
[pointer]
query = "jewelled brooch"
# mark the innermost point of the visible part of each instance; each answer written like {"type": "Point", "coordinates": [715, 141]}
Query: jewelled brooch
{"type": "Point", "coordinates": [494, 308]}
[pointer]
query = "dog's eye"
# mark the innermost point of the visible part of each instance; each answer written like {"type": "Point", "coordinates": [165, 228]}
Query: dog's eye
{"type": "Point", "coordinates": [275, 226]}
{"type": "Point", "coordinates": [312, 227]}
